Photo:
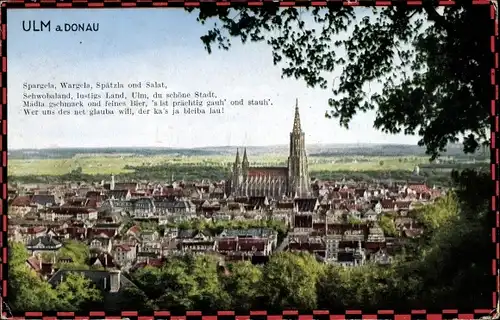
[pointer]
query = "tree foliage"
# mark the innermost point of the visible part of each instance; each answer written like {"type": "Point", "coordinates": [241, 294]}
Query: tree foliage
{"type": "Point", "coordinates": [184, 284]}
{"type": "Point", "coordinates": [77, 251]}
{"type": "Point", "coordinates": [242, 282]}
{"type": "Point", "coordinates": [29, 292]}
{"type": "Point", "coordinates": [433, 70]}
{"type": "Point", "coordinates": [77, 293]}
{"type": "Point", "coordinates": [387, 225]}
{"type": "Point", "coordinates": [439, 215]}
{"type": "Point", "coordinates": [289, 281]}
{"type": "Point", "coordinates": [134, 299]}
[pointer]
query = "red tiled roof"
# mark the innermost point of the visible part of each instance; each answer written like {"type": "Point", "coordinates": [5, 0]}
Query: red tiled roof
{"type": "Point", "coordinates": [35, 230]}
{"type": "Point", "coordinates": [21, 201]}
{"type": "Point", "coordinates": [134, 229]}
{"type": "Point", "coordinates": [387, 204]}
{"type": "Point", "coordinates": [91, 203]}
{"type": "Point", "coordinates": [151, 263]}
{"type": "Point", "coordinates": [34, 263]}
{"type": "Point", "coordinates": [228, 244]}
{"type": "Point", "coordinates": [419, 188]}
{"type": "Point", "coordinates": [251, 244]}
{"type": "Point", "coordinates": [374, 246]}
{"type": "Point", "coordinates": [102, 233]}
{"type": "Point", "coordinates": [155, 263]}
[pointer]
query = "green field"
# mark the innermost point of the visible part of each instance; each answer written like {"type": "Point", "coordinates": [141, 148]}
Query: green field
{"type": "Point", "coordinates": [117, 164]}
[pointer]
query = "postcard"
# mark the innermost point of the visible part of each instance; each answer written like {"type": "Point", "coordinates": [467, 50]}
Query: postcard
{"type": "Point", "coordinates": [217, 158]}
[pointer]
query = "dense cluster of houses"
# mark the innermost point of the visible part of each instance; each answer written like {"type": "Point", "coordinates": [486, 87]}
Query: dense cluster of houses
{"type": "Point", "coordinates": [339, 224]}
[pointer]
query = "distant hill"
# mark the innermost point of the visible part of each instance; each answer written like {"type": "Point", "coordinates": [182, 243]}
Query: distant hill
{"type": "Point", "coordinates": [327, 150]}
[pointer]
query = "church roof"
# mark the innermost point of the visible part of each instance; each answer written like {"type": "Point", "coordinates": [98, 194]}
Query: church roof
{"type": "Point", "coordinates": [268, 171]}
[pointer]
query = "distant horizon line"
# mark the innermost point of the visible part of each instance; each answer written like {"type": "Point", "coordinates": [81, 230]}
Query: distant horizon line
{"type": "Point", "coordinates": [218, 146]}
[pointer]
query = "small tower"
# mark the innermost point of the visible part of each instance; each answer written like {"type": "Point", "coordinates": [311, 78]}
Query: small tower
{"type": "Point", "coordinates": [235, 181]}
{"type": "Point", "coordinates": [245, 165]}
{"type": "Point", "coordinates": [112, 184]}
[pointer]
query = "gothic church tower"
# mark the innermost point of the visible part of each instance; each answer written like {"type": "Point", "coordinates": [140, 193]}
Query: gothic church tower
{"type": "Point", "coordinates": [236, 176]}
{"type": "Point", "coordinates": [298, 173]}
{"type": "Point", "coordinates": [245, 165]}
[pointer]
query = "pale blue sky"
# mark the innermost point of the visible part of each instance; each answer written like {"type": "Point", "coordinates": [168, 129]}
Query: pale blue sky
{"type": "Point", "coordinates": [162, 45]}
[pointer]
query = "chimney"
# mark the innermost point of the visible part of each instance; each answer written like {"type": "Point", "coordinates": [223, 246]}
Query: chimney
{"type": "Point", "coordinates": [114, 279]}
{"type": "Point", "coordinates": [105, 260]}
{"type": "Point", "coordinates": [105, 283]}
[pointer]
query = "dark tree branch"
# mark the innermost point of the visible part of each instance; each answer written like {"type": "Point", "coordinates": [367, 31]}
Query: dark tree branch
{"type": "Point", "coordinates": [435, 17]}
{"type": "Point", "coordinates": [435, 77]}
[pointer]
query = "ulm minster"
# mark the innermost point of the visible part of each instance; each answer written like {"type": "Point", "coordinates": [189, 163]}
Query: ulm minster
{"type": "Point", "coordinates": [274, 182]}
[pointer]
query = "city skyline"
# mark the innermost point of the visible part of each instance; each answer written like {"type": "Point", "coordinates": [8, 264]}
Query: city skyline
{"type": "Point", "coordinates": [241, 147]}
{"type": "Point", "coordinates": [152, 51]}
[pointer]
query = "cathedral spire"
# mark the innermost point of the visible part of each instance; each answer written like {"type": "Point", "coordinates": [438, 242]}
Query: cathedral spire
{"type": "Point", "coordinates": [296, 121]}
{"type": "Point", "coordinates": [237, 160]}
{"type": "Point", "coordinates": [245, 165]}
{"type": "Point", "coordinates": [245, 159]}
{"type": "Point", "coordinates": [298, 175]}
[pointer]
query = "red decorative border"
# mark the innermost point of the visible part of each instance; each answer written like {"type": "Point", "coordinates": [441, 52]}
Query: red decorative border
{"type": "Point", "coordinates": [288, 314]}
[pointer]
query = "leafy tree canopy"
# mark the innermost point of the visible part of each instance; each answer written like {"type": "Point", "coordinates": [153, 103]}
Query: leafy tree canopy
{"type": "Point", "coordinates": [387, 225]}
{"type": "Point", "coordinates": [29, 292]}
{"type": "Point", "coordinates": [77, 293]}
{"type": "Point", "coordinates": [289, 281]}
{"type": "Point", "coordinates": [433, 69]}
{"type": "Point", "coordinates": [435, 217]}
{"type": "Point", "coordinates": [77, 251]}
